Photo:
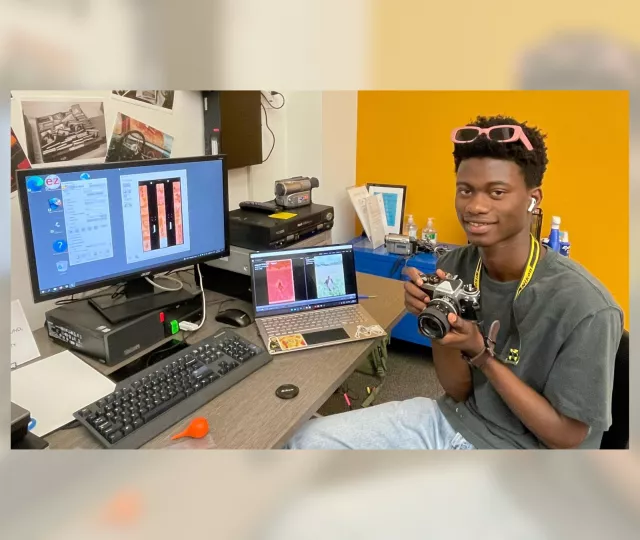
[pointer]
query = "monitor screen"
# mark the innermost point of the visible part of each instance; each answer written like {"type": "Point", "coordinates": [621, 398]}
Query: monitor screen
{"type": "Point", "coordinates": [95, 225]}
{"type": "Point", "coordinates": [303, 279]}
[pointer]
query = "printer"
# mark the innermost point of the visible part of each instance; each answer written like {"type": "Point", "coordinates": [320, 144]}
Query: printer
{"type": "Point", "coordinates": [21, 437]}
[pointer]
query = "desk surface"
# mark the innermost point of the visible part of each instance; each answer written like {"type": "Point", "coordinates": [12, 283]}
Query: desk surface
{"type": "Point", "coordinates": [249, 415]}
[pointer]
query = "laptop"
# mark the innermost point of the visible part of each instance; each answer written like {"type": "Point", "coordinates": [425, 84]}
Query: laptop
{"type": "Point", "coordinates": [307, 298]}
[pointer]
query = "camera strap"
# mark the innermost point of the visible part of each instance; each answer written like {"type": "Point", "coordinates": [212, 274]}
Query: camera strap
{"type": "Point", "coordinates": [532, 262]}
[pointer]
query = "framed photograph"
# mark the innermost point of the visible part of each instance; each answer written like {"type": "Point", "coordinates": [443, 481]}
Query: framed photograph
{"type": "Point", "coordinates": [394, 199]}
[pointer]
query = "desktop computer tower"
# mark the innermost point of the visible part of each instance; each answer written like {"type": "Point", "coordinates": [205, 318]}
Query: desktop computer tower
{"type": "Point", "coordinates": [80, 327]}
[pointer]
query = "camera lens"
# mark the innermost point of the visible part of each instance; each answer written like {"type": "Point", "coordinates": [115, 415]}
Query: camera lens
{"type": "Point", "coordinates": [432, 322]}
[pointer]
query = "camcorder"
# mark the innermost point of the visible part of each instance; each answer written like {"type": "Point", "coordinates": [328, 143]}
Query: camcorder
{"type": "Point", "coordinates": [401, 244]}
{"type": "Point", "coordinates": [450, 295]}
{"type": "Point", "coordinates": [295, 192]}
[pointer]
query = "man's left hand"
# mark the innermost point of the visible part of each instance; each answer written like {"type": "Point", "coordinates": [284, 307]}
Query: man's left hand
{"type": "Point", "coordinates": [464, 336]}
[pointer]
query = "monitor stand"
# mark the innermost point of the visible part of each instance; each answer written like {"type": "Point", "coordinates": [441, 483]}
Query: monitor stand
{"type": "Point", "coordinates": [139, 298]}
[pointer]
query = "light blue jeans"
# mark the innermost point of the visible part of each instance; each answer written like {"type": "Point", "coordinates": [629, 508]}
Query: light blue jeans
{"type": "Point", "coordinates": [414, 424]}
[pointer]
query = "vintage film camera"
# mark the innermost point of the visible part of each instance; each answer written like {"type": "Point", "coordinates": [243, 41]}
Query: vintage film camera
{"type": "Point", "coordinates": [295, 192]}
{"type": "Point", "coordinates": [449, 295]}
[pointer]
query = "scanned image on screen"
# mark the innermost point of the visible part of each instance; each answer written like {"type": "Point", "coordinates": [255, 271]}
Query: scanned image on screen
{"type": "Point", "coordinates": [156, 216]}
{"type": "Point", "coordinates": [280, 281]}
{"type": "Point", "coordinates": [329, 275]}
{"type": "Point", "coordinates": [160, 214]}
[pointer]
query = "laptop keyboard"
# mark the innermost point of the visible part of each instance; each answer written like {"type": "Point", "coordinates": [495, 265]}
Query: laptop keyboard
{"type": "Point", "coordinates": [312, 320]}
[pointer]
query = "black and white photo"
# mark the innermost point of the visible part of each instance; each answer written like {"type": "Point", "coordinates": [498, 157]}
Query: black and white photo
{"type": "Point", "coordinates": [62, 130]}
{"type": "Point", "coordinates": [157, 99]}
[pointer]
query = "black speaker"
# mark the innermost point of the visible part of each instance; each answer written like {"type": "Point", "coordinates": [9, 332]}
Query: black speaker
{"type": "Point", "coordinates": [233, 126]}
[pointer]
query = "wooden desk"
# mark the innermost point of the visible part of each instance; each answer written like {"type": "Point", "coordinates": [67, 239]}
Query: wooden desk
{"type": "Point", "coordinates": [249, 415]}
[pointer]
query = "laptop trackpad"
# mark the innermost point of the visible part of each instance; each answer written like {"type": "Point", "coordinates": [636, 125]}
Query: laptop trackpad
{"type": "Point", "coordinates": [325, 336]}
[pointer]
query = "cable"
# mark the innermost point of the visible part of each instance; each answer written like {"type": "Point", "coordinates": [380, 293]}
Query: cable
{"type": "Point", "coordinates": [274, 93]}
{"type": "Point", "coordinates": [266, 122]}
{"type": "Point", "coordinates": [187, 326]}
{"type": "Point", "coordinates": [163, 350]}
{"type": "Point", "coordinates": [397, 263]}
{"type": "Point", "coordinates": [210, 303]}
{"type": "Point", "coordinates": [167, 277]}
{"type": "Point", "coordinates": [71, 425]}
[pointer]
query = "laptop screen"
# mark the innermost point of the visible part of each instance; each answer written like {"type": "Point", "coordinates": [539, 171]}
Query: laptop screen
{"type": "Point", "coordinates": [303, 279]}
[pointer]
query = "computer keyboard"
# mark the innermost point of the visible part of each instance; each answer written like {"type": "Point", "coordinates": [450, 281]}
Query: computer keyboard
{"type": "Point", "coordinates": [312, 320]}
{"type": "Point", "coordinates": [154, 399]}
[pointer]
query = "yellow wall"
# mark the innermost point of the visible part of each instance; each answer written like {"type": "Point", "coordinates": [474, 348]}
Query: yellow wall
{"type": "Point", "coordinates": [403, 138]}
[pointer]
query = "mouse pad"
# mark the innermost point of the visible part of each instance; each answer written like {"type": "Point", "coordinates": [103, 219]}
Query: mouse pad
{"type": "Point", "coordinates": [325, 336]}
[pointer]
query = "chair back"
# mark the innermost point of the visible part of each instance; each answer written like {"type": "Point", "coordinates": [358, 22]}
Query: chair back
{"type": "Point", "coordinates": [617, 437]}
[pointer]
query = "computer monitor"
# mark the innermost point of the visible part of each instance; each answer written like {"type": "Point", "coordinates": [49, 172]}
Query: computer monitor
{"type": "Point", "coordinates": [89, 226]}
{"type": "Point", "coordinates": [297, 280]}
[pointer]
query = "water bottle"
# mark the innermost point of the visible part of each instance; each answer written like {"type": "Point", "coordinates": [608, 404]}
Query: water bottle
{"type": "Point", "coordinates": [429, 233]}
{"type": "Point", "coordinates": [565, 246]}
{"type": "Point", "coordinates": [412, 228]}
{"type": "Point", "coordinates": [554, 235]}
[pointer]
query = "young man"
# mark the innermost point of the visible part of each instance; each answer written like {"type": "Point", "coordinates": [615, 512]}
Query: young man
{"type": "Point", "coordinates": [536, 370]}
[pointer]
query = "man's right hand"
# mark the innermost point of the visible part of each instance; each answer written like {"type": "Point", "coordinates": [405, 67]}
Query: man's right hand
{"type": "Point", "coordinates": [415, 299]}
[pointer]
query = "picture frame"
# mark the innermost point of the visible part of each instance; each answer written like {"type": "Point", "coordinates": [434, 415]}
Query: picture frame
{"type": "Point", "coordinates": [394, 198]}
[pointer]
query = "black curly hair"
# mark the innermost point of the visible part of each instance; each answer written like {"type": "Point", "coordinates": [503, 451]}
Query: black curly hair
{"type": "Point", "coordinates": [533, 163]}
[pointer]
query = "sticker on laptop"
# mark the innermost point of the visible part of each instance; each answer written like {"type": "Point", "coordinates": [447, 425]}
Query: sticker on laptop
{"type": "Point", "coordinates": [274, 345]}
{"type": "Point", "coordinates": [369, 331]}
{"type": "Point", "coordinates": [294, 341]}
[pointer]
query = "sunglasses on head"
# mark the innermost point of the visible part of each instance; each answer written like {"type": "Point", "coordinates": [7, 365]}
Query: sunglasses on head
{"type": "Point", "coordinates": [504, 134]}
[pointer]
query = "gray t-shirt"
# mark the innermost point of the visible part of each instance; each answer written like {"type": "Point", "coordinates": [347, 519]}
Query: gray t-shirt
{"type": "Point", "coordinates": [565, 327]}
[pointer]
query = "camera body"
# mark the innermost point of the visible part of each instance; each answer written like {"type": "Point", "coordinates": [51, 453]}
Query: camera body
{"type": "Point", "coordinates": [449, 295]}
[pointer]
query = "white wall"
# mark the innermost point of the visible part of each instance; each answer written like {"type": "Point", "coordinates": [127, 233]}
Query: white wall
{"type": "Point", "coordinates": [320, 130]}
{"type": "Point", "coordinates": [339, 141]}
{"type": "Point", "coordinates": [315, 136]}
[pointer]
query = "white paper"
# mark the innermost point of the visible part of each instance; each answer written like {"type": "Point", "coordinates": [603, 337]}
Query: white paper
{"type": "Point", "coordinates": [358, 196]}
{"type": "Point", "coordinates": [23, 345]}
{"type": "Point", "coordinates": [376, 218]}
{"type": "Point", "coordinates": [53, 388]}
{"type": "Point", "coordinates": [393, 204]}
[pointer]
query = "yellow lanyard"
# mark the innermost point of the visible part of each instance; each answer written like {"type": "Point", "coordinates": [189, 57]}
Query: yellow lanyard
{"type": "Point", "coordinates": [534, 255]}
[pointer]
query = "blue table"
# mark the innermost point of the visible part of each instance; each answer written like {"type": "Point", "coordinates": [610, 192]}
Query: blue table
{"type": "Point", "coordinates": [381, 263]}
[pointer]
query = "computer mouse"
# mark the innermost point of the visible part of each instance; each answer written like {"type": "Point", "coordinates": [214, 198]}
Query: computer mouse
{"type": "Point", "coordinates": [234, 317]}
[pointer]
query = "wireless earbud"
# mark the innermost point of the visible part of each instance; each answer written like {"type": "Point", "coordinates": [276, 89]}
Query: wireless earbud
{"type": "Point", "coordinates": [532, 205]}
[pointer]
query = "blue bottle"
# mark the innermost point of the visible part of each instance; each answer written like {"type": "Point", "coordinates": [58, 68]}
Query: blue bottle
{"type": "Point", "coordinates": [554, 235]}
{"type": "Point", "coordinates": [565, 245]}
